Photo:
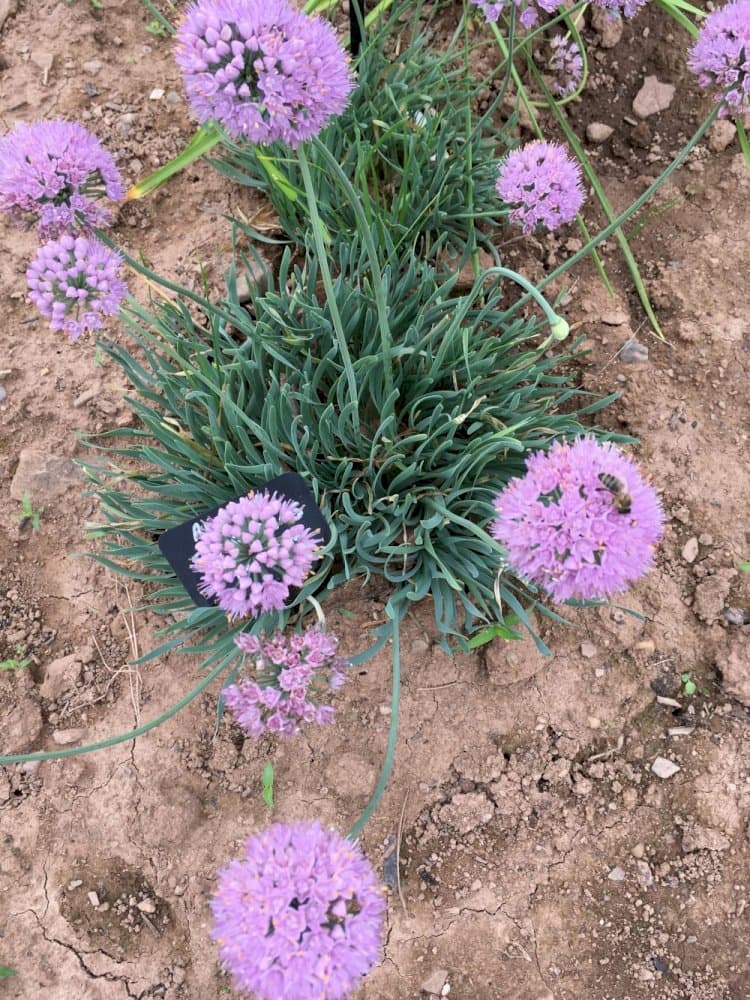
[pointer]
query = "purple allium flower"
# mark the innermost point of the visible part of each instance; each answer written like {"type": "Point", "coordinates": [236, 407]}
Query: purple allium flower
{"type": "Point", "coordinates": [624, 8]}
{"type": "Point", "coordinates": [492, 9]}
{"type": "Point", "coordinates": [300, 916]}
{"type": "Point", "coordinates": [262, 69]}
{"type": "Point", "coordinates": [566, 64]}
{"type": "Point", "coordinates": [581, 523]}
{"type": "Point", "coordinates": [541, 184]}
{"type": "Point", "coordinates": [252, 551]}
{"type": "Point", "coordinates": [75, 283]}
{"type": "Point", "coordinates": [54, 173]}
{"type": "Point", "coordinates": [721, 56]}
{"type": "Point", "coordinates": [291, 675]}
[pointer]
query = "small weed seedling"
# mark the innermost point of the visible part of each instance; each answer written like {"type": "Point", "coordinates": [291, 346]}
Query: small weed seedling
{"type": "Point", "coordinates": [28, 514]}
{"type": "Point", "coordinates": [5, 972]}
{"type": "Point", "coordinates": [688, 684]}
{"type": "Point", "coordinates": [15, 662]}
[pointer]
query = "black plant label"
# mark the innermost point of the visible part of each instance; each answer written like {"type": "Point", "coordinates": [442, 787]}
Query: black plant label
{"type": "Point", "coordinates": [178, 544]}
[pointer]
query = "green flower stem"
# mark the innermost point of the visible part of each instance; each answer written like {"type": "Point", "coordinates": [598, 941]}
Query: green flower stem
{"type": "Point", "coordinates": [629, 212]}
{"type": "Point", "coordinates": [21, 758]}
{"type": "Point", "coordinates": [559, 328]}
{"type": "Point", "coordinates": [377, 277]}
{"type": "Point", "coordinates": [385, 772]}
{"type": "Point", "coordinates": [317, 229]}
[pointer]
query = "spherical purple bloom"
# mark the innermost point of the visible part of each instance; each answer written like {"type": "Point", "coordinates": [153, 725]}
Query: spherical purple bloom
{"type": "Point", "coordinates": [492, 9]}
{"type": "Point", "coordinates": [721, 56]}
{"type": "Point", "coordinates": [262, 69]}
{"type": "Point", "coordinates": [55, 173]}
{"type": "Point", "coordinates": [624, 8]}
{"type": "Point", "coordinates": [75, 283]}
{"type": "Point", "coordinates": [566, 64]}
{"type": "Point", "coordinates": [252, 552]}
{"type": "Point", "coordinates": [300, 916]}
{"type": "Point", "coordinates": [541, 184]}
{"type": "Point", "coordinates": [581, 523]}
{"type": "Point", "coordinates": [291, 675]}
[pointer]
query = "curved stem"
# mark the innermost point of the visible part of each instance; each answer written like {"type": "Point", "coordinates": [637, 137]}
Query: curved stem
{"type": "Point", "coordinates": [385, 772]}
{"type": "Point", "coordinates": [559, 328]}
{"type": "Point", "coordinates": [21, 758]}
{"type": "Point", "coordinates": [317, 228]}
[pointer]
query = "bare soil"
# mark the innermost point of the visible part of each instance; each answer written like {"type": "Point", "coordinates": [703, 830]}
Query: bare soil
{"type": "Point", "coordinates": [539, 857]}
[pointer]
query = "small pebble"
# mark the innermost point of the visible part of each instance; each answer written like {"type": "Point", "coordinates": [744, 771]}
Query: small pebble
{"type": "Point", "coordinates": [690, 550]}
{"type": "Point", "coordinates": [664, 768]}
{"type": "Point", "coordinates": [633, 352]}
{"type": "Point", "coordinates": [638, 851]}
{"type": "Point", "coordinates": [156, 94]}
{"type": "Point", "coordinates": [74, 884]}
{"type": "Point", "coordinates": [735, 616]}
{"type": "Point", "coordinates": [588, 649]}
{"type": "Point", "coordinates": [616, 874]}
{"type": "Point", "coordinates": [147, 906]}
{"type": "Point", "coordinates": [93, 898]}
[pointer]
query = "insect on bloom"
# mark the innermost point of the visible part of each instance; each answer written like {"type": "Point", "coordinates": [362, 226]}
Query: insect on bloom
{"type": "Point", "coordinates": [262, 69]}
{"type": "Point", "coordinates": [581, 523]}
{"type": "Point", "coordinates": [299, 915]}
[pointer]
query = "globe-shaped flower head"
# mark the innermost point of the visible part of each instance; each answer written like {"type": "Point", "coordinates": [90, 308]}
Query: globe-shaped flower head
{"type": "Point", "coordinates": [300, 916]}
{"type": "Point", "coordinates": [55, 173]}
{"type": "Point", "coordinates": [582, 523]}
{"type": "Point", "coordinates": [541, 184]}
{"type": "Point", "coordinates": [75, 283]}
{"type": "Point", "coordinates": [262, 69]}
{"type": "Point", "coordinates": [721, 56]}
{"type": "Point", "coordinates": [292, 674]}
{"type": "Point", "coordinates": [252, 552]}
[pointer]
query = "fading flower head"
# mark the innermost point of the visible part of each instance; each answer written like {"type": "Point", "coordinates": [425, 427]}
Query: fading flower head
{"type": "Point", "coordinates": [262, 69]}
{"type": "Point", "coordinates": [299, 915]}
{"type": "Point", "coordinates": [721, 56]}
{"type": "Point", "coordinates": [622, 8]}
{"type": "Point", "coordinates": [582, 523]}
{"type": "Point", "coordinates": [55, 173]}
{"type": "Point", "coordinates": [492, 9]}
{"type": "Point", "coordinates": [541, 184]}
{"type": "Point", "coordinates": [75, 282]}
{"type": "Point", "coordinates": [252, 552]}
{"type": "Point", "coordinates": [291, 675]}
{"type": "Point", "coordinates": [566, 65]}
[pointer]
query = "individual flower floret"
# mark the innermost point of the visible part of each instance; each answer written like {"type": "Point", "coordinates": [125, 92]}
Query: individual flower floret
{"type": "Point", "coordinates": [582, 523]}
{"type": "Point", "coordinates": [492, 9]}
{"type": "Point", "coordinates": [299, 916]}
{"type": "Point", "coordinates": [291, 675]}
{"type": "Point", "coordinates": [252, 552]}
{"type": "Point", "coordinates": [55, 173]}
{"type": "Point", "coordinates": [721, 56]}
{"type": "Point", "coordinates": [262, 69]}
{"type": "Point", "coordinates": [75, 283]}
{"type": "Point", "coordinates": [541, 184]}
{"type": "Point", "coordinates": [566, 64]}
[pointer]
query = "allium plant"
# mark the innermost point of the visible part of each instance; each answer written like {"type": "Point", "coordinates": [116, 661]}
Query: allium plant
{"type": "Point", "coordinates": [262, 69]}
{"type": "Point", "coordinates": [290, 677]}
{"type": "Point", "coordinates": [566, 64]}
{"type": "Point", "coordinates": [75, 283]}
{"type": "Point", "coordinates": [721, 56]}
{"type": "Point", "coordinates": [541, 184]}
{"type": "Point", "coordinates": [252, 552]}
{"type": "Point", "coordinates": [299, 915]}
{"type": "Point", "coordinates": [581, 523]}
{"type": "Point", "coordinates": [55, 173]}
